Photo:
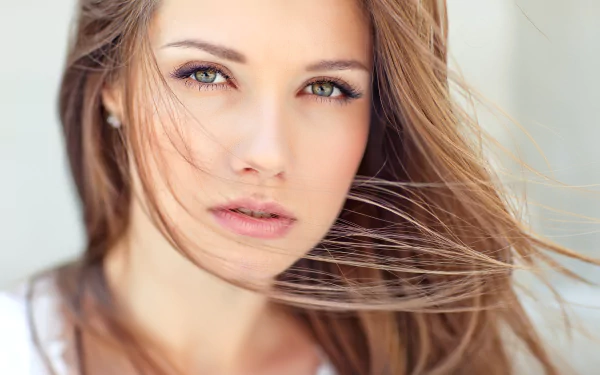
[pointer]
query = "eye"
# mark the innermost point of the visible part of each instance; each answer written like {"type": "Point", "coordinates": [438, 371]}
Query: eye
{"type": "Point", "coordinates": [203, 76]}
{"type": "Point", "coordinates": [208, 76]}
{"type": "Point", "coordinates": [331, 90]}
{"type": "Point", "coordinates": [324, 88]}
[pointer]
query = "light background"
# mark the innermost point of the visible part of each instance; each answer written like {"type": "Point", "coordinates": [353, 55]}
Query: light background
{"type": "Point", "coordinates": [537, 59]}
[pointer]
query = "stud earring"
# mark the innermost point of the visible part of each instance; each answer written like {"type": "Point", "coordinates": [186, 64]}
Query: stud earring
{"type": "Point", "coordinates": [113, 121]}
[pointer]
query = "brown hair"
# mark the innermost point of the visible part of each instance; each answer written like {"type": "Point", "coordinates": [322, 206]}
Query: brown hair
{"type": "Point", "coordinates": [416, 275]}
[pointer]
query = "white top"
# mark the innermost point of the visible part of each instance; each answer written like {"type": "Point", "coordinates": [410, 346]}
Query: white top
{"type": "Point", "coordinates": [19, 354]}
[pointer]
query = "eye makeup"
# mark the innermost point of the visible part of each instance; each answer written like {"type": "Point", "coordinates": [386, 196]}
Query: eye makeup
{"type": "Point", "coordinates": [188, 74]}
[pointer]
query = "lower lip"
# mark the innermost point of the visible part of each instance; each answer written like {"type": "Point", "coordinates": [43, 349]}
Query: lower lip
{"type": "Point", "coordinates": [268, 228]}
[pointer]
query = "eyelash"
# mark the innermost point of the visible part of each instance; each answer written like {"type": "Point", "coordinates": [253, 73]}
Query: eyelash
{"type": "Point", "coordinates": [349, 93]}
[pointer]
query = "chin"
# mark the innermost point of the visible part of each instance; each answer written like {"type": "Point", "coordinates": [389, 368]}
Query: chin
{"type": "Point", "coordinates": [253, 265]}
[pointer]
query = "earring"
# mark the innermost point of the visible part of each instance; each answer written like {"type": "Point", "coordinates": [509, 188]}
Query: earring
{"type": "Point", "coordinates": [113, 121]}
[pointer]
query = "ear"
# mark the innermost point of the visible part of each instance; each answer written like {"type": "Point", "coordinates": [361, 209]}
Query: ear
{"type": "Point", "coordinates": [112, 96]}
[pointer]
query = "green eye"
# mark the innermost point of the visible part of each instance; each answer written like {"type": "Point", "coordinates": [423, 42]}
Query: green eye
{"type": "Point", "coordinates": [323, 88]}
{"type": "Point", "coordinates": [205, 75]}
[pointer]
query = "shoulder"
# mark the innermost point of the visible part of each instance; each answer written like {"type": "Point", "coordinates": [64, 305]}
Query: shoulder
{"type": "Point", "coordinates": [31, 328]}
{"type": "Point", "coordinates": [16, 349]}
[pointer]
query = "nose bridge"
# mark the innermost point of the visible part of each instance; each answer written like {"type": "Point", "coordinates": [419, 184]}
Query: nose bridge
{"type": "Point", "coordinates": [263, 147]}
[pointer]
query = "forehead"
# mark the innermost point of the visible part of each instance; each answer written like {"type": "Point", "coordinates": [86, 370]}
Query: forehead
{"type": "Point", "coordinates": [275, 30]}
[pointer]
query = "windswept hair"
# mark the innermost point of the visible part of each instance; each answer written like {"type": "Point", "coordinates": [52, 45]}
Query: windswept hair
{"type": "Point", "coordinates": [415, 276]}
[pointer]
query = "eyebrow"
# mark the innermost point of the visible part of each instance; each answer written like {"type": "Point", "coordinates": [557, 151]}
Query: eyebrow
{"type": "Point", "coordinates": [235, 56]}
{"type": "Point", "coordinates": [337, 65]}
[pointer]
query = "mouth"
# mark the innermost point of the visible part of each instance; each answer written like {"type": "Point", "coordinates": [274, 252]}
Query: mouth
{"type": "Point", "coordinates": [255, 214]}
{"type": "Point", "coordinates": [256, 219]}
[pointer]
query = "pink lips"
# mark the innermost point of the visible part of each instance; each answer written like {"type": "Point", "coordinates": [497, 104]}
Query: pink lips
{"type": "Point", "coordinates": [276, 226]}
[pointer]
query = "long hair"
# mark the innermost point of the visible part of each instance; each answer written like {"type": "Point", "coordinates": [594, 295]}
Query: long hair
{"type": "Point", "coordinates": [415, 276]}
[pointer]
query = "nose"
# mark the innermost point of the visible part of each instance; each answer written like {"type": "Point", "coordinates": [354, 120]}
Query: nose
{"type": "Point", "coordinates": [262, 149]}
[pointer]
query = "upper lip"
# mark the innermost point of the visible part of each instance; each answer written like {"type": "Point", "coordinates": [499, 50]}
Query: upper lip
{"type": "Point", "coordinates": [256, 205]}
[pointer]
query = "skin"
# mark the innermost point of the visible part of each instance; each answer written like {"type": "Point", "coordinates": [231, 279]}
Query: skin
{"type": "Point", "coordinates": [262, 133]}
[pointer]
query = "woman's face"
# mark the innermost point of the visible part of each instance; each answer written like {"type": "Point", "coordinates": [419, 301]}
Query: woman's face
{"type": "Point", "coordinates": [273, 117]}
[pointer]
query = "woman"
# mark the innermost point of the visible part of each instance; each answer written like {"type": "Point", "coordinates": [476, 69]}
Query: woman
{"type": "Point", "coordinates": [274, 187]}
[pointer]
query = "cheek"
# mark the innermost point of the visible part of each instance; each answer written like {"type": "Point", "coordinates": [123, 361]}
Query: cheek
{"type": "Point", "coordinates": [329, 164]}
{"type": "Point", "coordinates": [334, 167]}
{"type": "Point", "coordinates": [180, 154]}
{"type": "Point", "coordinates": [333, 156]}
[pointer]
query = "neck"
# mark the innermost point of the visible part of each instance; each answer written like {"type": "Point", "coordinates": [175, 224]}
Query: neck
{"type": "Point", "coordinates": [199, 319]}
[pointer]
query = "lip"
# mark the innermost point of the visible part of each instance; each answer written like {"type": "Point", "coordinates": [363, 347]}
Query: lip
{"type": "Point", "coordinates": [265, 228]}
